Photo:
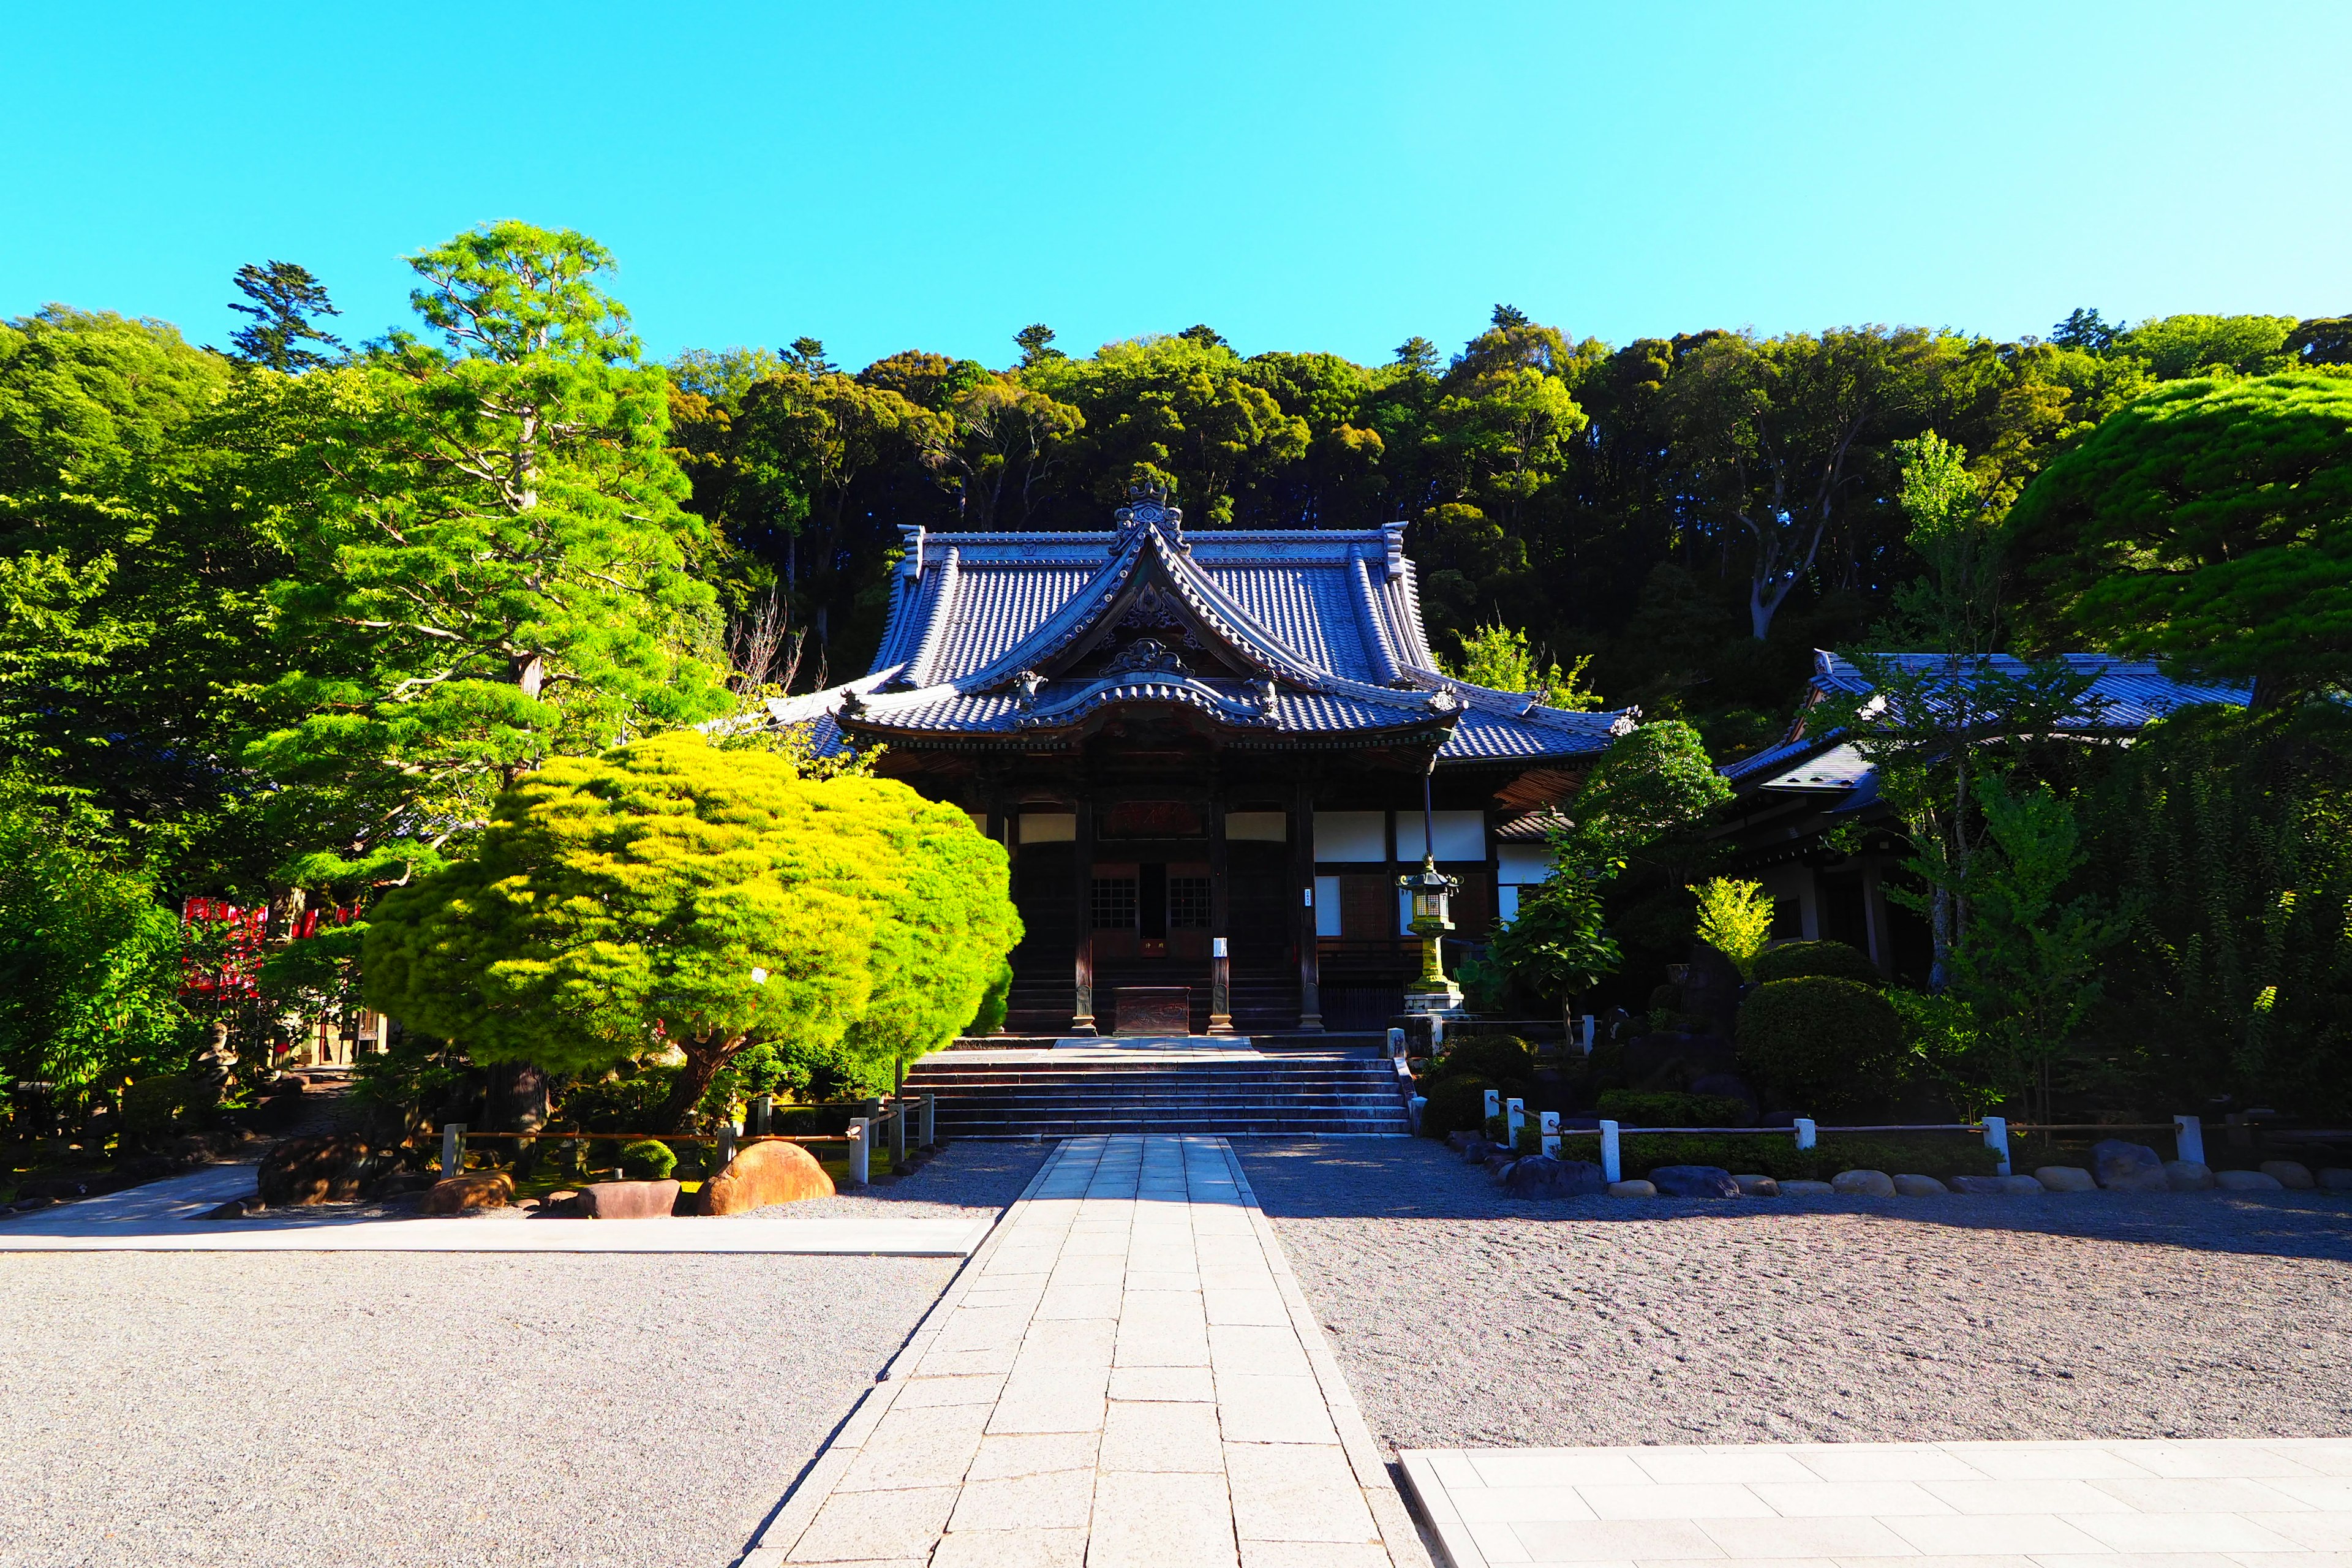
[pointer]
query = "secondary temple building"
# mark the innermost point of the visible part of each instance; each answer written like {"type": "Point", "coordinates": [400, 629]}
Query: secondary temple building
{"type": "Point", "coordinates": [1206, 755]}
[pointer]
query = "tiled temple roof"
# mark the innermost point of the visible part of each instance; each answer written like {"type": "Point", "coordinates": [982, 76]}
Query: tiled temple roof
{"type": "Point", "coordinates": [1274, 638]}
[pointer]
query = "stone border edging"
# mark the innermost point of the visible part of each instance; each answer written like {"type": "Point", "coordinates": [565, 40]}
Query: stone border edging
{"type": "Point", "coordinates": [1398, 1532]}
{"type": "Point", "coordinates": [792, 1516]}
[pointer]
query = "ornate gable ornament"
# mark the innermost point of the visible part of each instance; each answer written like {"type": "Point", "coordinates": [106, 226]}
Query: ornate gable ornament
{"type": "Point", "coordinates": [1146, 654]}
{"type": "Point", "coordinates": [1149, 508]}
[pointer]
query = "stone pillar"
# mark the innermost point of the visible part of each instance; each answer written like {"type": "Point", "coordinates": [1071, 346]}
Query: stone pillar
{"type": "Point", "coordinates": [1082, 1013]}
{"type": "Point", "coordinates": [1220, 970]}
{"type": "Point", "coordinates": [1302, 860]}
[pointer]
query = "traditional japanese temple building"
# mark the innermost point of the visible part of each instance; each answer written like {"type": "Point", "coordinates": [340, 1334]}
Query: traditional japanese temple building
{"type": "Point", "coordinates": [1205, 746]}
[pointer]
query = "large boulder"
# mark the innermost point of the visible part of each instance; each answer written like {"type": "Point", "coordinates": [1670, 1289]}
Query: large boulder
{"type": "Point", "coordinates": [1693, 1181]}
{"type": "Point", "coordinates": [2065, 1179]}
{"type": "Point", "coordinates": [1756, 1186]}
{"type": "Point", "coordinates": [2246, 1181]}
{"type": "Point", "coordinates": [1711, 986]}
{"type": "Point", "coordinates": [2122, 1167]}
{"type": "Point", "coordinates": [625, 1200]}
{"type": "Point", "coordinates": [319, 1169]}
{"type": "Point", "coordinates": [2188, 1175]}
{"type": "Point", "coordinates": [2335, 1179]}
{"type": "Point", "coordinates": [2292, 1175]}
{"type": "Point", "coordinates": [459, 1195]}
{"type": "Point", "coordinates": [761, 1174]}
{"type": "Point", "coordinates": [1862, 1184]}
{"type": "Point", "coordinates": [1631, 1190]}
{"type": "Point", "coordinates": [1910, 1187]}
{"type": "Point", "coordinates": [1542, 1176]}
{"type": "Point", "coordinates": [1801, 1187]}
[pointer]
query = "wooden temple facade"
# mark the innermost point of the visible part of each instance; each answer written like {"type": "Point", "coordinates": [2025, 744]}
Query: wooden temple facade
{"type": "Point", "coordinates": [1206, 756]}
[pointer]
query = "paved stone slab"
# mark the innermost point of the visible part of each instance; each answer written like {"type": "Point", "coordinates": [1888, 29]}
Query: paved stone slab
{"type": "Point", "coordinates": [2208, 1503]}
{"type": "Point", "coordinates": [1087, 1395]}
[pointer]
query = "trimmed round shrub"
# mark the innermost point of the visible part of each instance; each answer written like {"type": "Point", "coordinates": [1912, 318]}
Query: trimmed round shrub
{"type": "Point", "coordinates": [648, 1160]}
{"type": "Point", "coordinates": [154, 1104]}
{"type": "Point", "coordinates": [1797, 960]}
{"type": "Point", "coordinates": [1506, 1059]}
{"type": "Point", "coordinates": [1820, 1042]}
{"type": "Point", "coordinates": [1457, 1104]}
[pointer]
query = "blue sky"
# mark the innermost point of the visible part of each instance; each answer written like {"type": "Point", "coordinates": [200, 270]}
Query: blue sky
{"type": "Point", "coordinates": [1330, 176]}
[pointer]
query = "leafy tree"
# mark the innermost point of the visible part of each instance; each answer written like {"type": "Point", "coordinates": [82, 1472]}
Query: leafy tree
{"type": "Point", "coordinates": [2323, 340]}
{"type": "Point", "coordinates": [676, 895]}
{"type": "Point", "coordinates": [2205, 525]}
{"type": "Point", "coordinates": [89, 961]}
{"type": "Point", "coordinates": [721, 374]}
{"type": "Point", "coordinates": [493, 568]}
{"type": "Point", "coordinates": [1417, 356]}
{"type": "Point", "coordinates": [1497, 656]}
{"type": "Point", "coordinates": [2176, 347]}
{"type": "Point", "coordinates": [2085, 329]}
{"type": "Point", "coordinates": [1736, 919]}
{"type": "Point", "coordinates": [286, 303]}
{"type": "Point", "coordinates": [1036, 344]}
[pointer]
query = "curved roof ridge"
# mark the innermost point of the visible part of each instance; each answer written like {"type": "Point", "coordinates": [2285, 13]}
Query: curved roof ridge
{"type": "Point", "coordinates": [1377, 636]}
{"type": "Point", "coordinates": [943, 600]}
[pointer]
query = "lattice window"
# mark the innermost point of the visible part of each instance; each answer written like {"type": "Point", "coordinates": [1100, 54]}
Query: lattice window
{"type": "Point", "coordinates": [1187, 903]}
{"type": "Point", "coordinates": [1114, 903]}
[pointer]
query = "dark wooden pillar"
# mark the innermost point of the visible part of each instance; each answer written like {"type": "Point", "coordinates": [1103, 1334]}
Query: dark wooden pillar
{"type": "Point", "coordinates": [1302, 859]}
{"type": "Point", "coordinates": [1082, 1015]}
{"type": "Point", "coordinates": [1008, 817]}
{"type": "Point", "coordinates": [1221, 963]}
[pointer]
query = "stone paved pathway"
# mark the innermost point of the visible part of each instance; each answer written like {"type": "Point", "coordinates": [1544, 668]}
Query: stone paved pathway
{"type": "Point", "coordinates": [1126, 1375]}
{"type": "Point", "coordinates": [2159, 1504]}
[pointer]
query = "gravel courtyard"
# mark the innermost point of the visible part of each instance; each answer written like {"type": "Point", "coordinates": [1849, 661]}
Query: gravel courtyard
{"type": "Point", "coordinates": [293, 1409]}
{"type": "Point", "coordinates": [1466, 1319]}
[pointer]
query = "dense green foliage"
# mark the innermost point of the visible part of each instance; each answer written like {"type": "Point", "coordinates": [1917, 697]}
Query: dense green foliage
{"type": "Point", "coordinates": [1635, 1108]}
{"type": "Point", "coordinates": [1820, 1043]}
{"type": "Point", "coordinates": [712, 898]}
{"type": "Point", "coordinates": [648, 1160]}
{"type": "Point", "coordinates": [1457, 1104]}
{"type": "Point", "coordinates": [1789, 959]}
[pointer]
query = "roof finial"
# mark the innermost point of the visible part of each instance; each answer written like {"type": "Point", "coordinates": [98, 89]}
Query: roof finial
{"type": "Point", "coordinates": [1147, 505]}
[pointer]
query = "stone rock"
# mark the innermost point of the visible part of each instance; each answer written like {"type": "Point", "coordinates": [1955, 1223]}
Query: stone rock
{"type": "Point", "coordinates": [1758, 1186]}
{"type": "Point", "coordinates": [2292, 1175]}
{"type": "Point", "coordinates": [1631, 1190]}
{"type": "Point", "coordinates": [2335, 1179]}
{"type": "Point", "coordinates": [1693, 1181]}
{"type": "Point", "coordinates": [2122, 1167]}
{"type": "Point", "coordinates": [1460, 1143]}
{"type": "Point", "coordinates": [1479, 1153]}
{"type": "Point", "coordinates": [319, 1169]}
{"type": "Point", "coordinates": [1862, 1184]}
{"type": "Point", "coordinates": [2186, 1176]}
{"type": "Point", "coordinates": [764, 1173]}
{"type": "Point", "coordinates": [1919, 1187]}
{"type": "Point", "coordinates": [236, 1208]}
{"type": "Point", "coordinates": [2246, 1181]}
{"type": "Point", "coordinates": [1800, 1188]}
{"type": "Point", "coordinates": [482, 1190]}
{"type": "Point", "coordinates": [627, 1200]}
{"type": "Point", "coordinates": [1711, 987]}
{"type": "Point", "coordinates": [2065, 1179]}
{"type": "Point", "coordinates": [400, 1184]}
{"type": "Point", "coordinates": [1995, 1186]}
{"type": "Point", "coordinates": [1542, 1176]}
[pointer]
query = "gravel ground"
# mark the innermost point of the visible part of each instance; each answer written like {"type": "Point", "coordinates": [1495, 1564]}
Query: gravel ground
{"type": "Point", "coordinates": [292, 1409]}
{"type": "Point", "coordinates": [1466, 1319]}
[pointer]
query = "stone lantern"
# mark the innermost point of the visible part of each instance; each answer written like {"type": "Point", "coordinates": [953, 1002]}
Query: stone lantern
{"type": "Point", "coordinates": [1433, 893]}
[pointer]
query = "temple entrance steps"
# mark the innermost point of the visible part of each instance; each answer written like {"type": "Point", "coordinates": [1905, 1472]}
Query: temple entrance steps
{"type": "Point", "coordinates": [1263, 1000]}
{"type": "Point", "coordinates": [1023, 1093]}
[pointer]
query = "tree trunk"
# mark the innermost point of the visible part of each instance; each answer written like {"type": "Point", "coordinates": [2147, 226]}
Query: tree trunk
{"type": "Point", "coordinates": [704, 1057]}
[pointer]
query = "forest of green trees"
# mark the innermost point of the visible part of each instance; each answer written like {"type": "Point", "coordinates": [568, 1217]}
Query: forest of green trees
{"type": "Point", "coordinates": [280, 619]}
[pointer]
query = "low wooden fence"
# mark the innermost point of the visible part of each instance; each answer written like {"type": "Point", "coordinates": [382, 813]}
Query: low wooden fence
{"type": "Point", "coordinates": [884, 1123]}
{"type": "Point", "coordinates": [2188, 1132]}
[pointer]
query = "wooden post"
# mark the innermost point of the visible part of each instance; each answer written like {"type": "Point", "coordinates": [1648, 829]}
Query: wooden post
{"type": "Point", "coordinates": [859, 1170]}
{"type": "Point", "coordinates": [724, 1153]}
{"type": "Point", "coordinates": [931, 1121]}
{"type": "Point", "coordinates": [453, 1149]}
{"type": "Point", "coordinates": [1302, 860]}
{"type": "Point", "coordinates": [1082, 1013]}
{"type": "Point", "coordinates": [898, 1135]}
{"type": "Point", "coordinates": [1221, 963]}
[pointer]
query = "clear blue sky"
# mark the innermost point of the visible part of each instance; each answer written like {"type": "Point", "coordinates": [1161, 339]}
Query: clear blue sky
{"type": "Point", "coordinates": [1327, 175]}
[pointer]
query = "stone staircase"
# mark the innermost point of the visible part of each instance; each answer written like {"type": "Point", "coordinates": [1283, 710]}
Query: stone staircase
{"type": "Point", "coordinates": [1239, 1094]}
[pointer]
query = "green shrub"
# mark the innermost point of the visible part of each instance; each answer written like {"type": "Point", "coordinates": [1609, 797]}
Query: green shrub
{"type": "Point", "coordinates": [156, 1103]}
{"type": "Point", "coordinates": [1797, 960]}
{"type": "Point", "coordinates": [1457, 1104]}
{"type": "Point", "coordinates": [1506, 1059]}
{"type": "Point", "coordinates": [648, 1160]}
{"type": "Point", "coordinates": [1942, 1155]}
{"type": "Point", "coordinates": [1637, 1110]}
{"type": "Point", "coordinates": [1820, 1042]}
{"type": "Point", "coordinates": [994, 1002]}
